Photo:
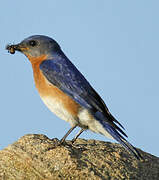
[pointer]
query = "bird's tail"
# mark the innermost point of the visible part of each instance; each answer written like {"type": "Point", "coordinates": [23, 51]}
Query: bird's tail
{"type": "Point", "coordinates": [115, 133]}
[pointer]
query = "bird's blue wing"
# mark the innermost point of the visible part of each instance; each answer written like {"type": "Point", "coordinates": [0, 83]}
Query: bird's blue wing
{"type": "Point", "coordinates": [63, 74]}
{"type": "Point", "coordinates": [67, 78]}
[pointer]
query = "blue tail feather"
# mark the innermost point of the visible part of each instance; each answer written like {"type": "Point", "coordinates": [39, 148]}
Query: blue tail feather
{"type": "Point", "coordinates": [118, 137]}
{"type": "Point", "coordinates": [121, 140]}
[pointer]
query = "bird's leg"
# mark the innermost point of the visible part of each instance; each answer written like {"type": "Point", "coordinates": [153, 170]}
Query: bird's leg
{"type": "Point", "coordinates": [77, 135]}
{"type": "Point", "coordinates": [65, 136]}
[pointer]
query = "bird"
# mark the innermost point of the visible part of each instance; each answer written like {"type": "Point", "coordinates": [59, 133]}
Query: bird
{"type": "Point", "coordinates": [67, 93]}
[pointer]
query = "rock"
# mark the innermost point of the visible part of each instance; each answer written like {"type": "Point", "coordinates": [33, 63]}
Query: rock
{"type": "Point", "coordinates": [36, 157]}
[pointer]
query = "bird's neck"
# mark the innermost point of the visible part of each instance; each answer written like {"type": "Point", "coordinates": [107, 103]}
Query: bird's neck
{"type": "Point", "coordinates": [37, 60]}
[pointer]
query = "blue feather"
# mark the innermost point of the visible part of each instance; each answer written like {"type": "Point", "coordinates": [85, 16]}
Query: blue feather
{"type": "Point", "coordinates": [117, 136]}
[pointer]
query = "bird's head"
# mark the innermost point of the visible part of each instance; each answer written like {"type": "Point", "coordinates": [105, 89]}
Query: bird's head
{"type": "Point", "coordinates": [35, 47]}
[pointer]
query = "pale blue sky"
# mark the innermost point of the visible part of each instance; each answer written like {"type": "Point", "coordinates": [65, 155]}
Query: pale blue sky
{"type": "Point", "coordinates": [113, 43]}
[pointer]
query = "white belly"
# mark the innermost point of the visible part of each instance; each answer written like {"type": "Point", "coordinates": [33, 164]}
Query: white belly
{"type": "Point", "coordinates": [57, 108]}
{"type": "Point", "coordinates": [86, 119]}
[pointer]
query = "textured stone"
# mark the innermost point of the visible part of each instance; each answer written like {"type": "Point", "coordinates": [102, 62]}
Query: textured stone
{"type": "Point", "coordinates": [36, 157]}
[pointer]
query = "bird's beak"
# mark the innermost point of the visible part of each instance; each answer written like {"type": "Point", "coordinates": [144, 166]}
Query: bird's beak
{"type": "Point", "coordinates": [17, 47]}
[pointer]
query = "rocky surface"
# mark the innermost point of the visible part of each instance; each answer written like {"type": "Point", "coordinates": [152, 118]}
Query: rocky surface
{"type": "Point", "coordinates": [36, 157]}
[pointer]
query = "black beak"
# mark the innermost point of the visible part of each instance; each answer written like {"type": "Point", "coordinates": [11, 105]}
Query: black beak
{"type": "Point", "coordinates": [12, 48]}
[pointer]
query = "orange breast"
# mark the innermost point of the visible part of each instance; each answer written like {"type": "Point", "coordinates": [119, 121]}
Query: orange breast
{"type": "Point", "coordinates": [46, 89]}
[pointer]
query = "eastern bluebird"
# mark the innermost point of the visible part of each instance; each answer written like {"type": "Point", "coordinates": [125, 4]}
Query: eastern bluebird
{"type": "Point", "coordinates": [66, 92]}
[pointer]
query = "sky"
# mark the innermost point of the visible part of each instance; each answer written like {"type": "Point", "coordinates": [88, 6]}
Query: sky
{"type": "Point", "coordinates": [113, 43]}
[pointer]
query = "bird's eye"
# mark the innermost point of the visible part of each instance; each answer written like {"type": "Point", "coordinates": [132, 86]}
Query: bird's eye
{"type": "Point", "coordinates": [32, 43]}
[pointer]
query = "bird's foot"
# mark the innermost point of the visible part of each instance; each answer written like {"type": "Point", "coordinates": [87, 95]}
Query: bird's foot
{"type": "Point", "coordinates": [73, 140]}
